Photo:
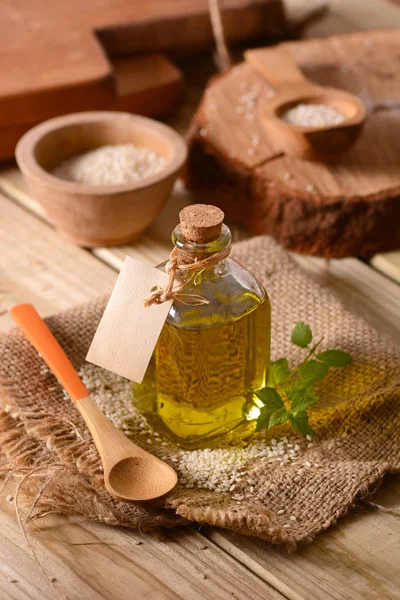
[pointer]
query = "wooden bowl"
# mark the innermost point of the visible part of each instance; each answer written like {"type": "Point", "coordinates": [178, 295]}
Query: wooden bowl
{"type": "Point", "coordinates": [103, 215]}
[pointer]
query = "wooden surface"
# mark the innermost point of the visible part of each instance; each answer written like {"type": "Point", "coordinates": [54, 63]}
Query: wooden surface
{"type": "Point", "coordinates": [349, 207]}
{"type": "Point", "coordinates": [356, 560]}
{"type": "Point", "coordinates": [52, 60]}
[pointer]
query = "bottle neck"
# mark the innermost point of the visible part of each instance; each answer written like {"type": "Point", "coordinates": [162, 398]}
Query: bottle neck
{"type": "Point", "coordinates": [214, 253]}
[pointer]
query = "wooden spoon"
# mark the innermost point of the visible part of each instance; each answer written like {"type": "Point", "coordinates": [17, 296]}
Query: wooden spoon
{"type": "Point", "coordinates": [130, 473]}
{"type": "Point", "coordinates": [292, 88]}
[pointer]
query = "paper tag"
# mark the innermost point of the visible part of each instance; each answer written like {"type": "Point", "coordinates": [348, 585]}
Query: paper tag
{"type": "Point", "coordinates": [128, 331]}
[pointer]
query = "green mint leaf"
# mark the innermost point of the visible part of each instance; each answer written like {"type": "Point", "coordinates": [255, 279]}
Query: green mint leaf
{"type": "Point", "coordinates": [312, 371]}
{"type": "Point", "coordinates": [263, 419]}
{"type": "Point", "coordinates": [278, 417]}
{"type": "Point", "coordinates": [272, 402]}
{"type": "Point", "coordinates": [301, 398]}
{"type": "Point", "coordinates": [300, 423]}
{"type": "Point", "coordinates": [301, 335]}
{"type": "Point", "coordinates": [278, 372]}
{"type": "Point", "coordinates": [270, 398]}
{"type": "Point", "coordinates": [335, 358]}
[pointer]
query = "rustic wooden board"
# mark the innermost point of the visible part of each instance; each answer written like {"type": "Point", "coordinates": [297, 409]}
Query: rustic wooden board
{"type": "Point", "coordinates": [51, 59]}
{"type": "Point", "coordinates": [350, 207]}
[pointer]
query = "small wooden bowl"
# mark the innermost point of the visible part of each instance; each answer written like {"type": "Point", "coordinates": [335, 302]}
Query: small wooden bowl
{"type": "Point", "coordinates": [104, 215]}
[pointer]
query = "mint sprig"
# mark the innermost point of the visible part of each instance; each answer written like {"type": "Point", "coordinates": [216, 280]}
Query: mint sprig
{"type": "Point", "coordinates": [290, 393]}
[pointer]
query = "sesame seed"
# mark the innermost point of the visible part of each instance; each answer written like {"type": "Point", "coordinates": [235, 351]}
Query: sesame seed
{"type": "Point", "coordinates": [250, 151]}
{"type": "Point", "coordinates": [203, 132]}
{"type": "Point", "coordinates": [232, 154]}
{"type": "Point", "coordinates": [286, 526]}
{"type": "Point", "coordinates": [293, 518]}
{"type": "Point", "coordinates": [309, 438]}
{"type": "Point", "coordinates": [10, 498]}
{"type": "Point", "coordinates": [308, 464]}
{"type": "Point", "coordinates": [280, 512]}
{"type": "Point", "coordinates": [249, 116]}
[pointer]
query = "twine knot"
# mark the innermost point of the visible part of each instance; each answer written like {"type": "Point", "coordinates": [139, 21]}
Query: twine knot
{"type": "Point", "coordinates": [175, 285]}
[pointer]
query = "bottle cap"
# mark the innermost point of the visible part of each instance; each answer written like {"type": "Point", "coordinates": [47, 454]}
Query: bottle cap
{"type": "Point", "coordinates": [201, 223]}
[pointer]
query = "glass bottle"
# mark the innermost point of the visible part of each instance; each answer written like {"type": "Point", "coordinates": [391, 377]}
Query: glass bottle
{"type": "Point", "coordinates": [213, 351]}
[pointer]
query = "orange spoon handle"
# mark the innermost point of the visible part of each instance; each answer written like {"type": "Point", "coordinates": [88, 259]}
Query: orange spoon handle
{"type": "Point", "coordinates": [40, 336]}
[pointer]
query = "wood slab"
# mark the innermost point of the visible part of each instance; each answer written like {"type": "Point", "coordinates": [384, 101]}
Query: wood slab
{"type": "Point", "coordinates": [54, 56]}
{"type": "Point", "coordinates": [350, 207]}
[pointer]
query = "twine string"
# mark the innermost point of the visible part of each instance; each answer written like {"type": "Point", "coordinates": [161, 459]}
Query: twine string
{"type": "Point", "coordinates": [175, 286]}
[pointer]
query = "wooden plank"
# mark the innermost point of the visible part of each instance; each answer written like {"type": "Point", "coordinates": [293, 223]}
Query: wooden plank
{"type": "Point", "coordinates": [345, 16]}
{"type": "Point", "coordinates": [103, 562]}
{"type": "Point", "coordinates": [388, 263]}
{"type": "Point", "coordinates": [358, 559]}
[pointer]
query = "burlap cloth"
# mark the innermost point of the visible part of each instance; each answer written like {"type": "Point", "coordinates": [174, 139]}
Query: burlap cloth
{"type": "Point", "coordinates": [285, 490]}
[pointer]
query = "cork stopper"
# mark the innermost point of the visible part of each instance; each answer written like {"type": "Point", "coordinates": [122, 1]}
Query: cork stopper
{"type": "Point", "coordinates": [201, 223]}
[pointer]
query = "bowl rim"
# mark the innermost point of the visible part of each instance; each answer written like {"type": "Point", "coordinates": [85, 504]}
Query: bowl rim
{"type": "Point", "coordinates": [25, 152]}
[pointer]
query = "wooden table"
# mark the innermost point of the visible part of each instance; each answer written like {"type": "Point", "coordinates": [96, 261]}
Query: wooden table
{"type": "Point", "coordinates": [358, 559]}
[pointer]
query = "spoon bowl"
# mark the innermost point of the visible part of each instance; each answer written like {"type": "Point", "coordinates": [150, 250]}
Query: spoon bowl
{"type": "Point", "coordinates": [125, 479]}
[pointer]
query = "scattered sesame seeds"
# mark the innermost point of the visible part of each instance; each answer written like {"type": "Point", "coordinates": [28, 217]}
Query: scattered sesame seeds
{"type": "Point", "coordinates": [10, 498]}
{"type": "Point", "coordinates": [286, 526]}
{"type": "Point", "coordinates": [281, 511]}
{"type": "Point", "coordinates": [310, 188]}
{"type": "Point", "coordinates": [293, 518]}
{"type": "Point", "coordinates": [203, 132]}
{"type": "Point", "coordinates": [255, 140]}
{"type": "Point", "coordinates": [221, 470]}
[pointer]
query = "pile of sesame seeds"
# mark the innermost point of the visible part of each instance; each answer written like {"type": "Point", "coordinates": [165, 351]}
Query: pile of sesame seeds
{"type": "Point", "coordinates": [313, 115]}
{"type": "Point", "coordinates": [223, 470]}
{"type": "Point", "coordinates": [111, 165]}
{"type": "Point", "coordinates": [220, 470]}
